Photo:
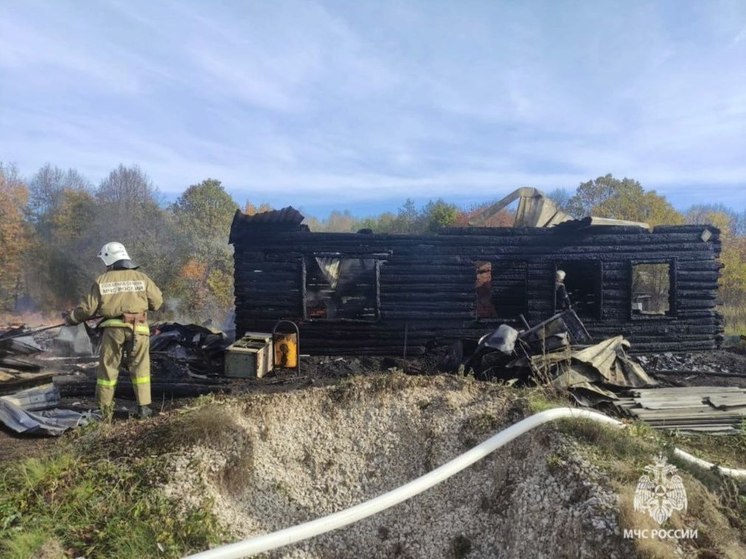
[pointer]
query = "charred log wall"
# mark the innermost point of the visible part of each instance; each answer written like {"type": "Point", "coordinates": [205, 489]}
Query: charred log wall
{"type": "Point", "coordinates": [425, 287]}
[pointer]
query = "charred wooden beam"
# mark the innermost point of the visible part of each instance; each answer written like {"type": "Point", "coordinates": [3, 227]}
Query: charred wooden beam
{"type": "Point", "coordinates": [427, 284]}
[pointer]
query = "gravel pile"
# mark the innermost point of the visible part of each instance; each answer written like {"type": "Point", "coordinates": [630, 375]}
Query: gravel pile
{"type": "Point", "coordinates": [296, 456]}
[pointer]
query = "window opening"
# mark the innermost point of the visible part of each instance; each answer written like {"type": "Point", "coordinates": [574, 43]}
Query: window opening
{"type": "Point", "coordinates": [583, 282]}
{"type": "Point", "coordinates": [341, 288]}
{"type": "Point", "coordinates": [651, 288]}
{"type": "Point", "coordinates": [483, 288]}
{"type": "Point", "coordinates": [501, 289]}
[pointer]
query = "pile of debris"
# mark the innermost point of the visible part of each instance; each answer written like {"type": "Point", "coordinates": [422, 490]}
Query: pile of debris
{"type": "Point", "coordinates": [557, 352]}
{"type": "Point", "coordinates": [187, 349]}
{"type": "Point", "coordinates": [28, 397]}
{"type": "Point", "coordinates": [39, 377]}
{"type": "Point", "coordinates": [38, 380]}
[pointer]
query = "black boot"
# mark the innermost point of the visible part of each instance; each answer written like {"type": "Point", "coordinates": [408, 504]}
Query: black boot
{"type": "Point", "coordinates": [144, 412]}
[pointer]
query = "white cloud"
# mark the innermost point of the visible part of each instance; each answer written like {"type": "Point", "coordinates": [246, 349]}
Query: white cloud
{"type": "Point", "coordinates": [354, 102]}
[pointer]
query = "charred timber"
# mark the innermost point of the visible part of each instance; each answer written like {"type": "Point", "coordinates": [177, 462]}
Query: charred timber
{"type": "Point", "coordinates": [428, 285]}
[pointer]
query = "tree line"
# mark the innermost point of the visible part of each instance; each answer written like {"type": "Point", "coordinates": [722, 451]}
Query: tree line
{"type": "Point", "coordinates": [604, 196]}
{"type": "Point", "coordinates": [53, 223]}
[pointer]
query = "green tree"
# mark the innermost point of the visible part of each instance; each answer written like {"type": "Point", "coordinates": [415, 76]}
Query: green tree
{"type": "Point", "coordinates": [740, 224]}
{"type": "Point", "coordinates": [383, 223]}
{"type": "Point", "coordinates": [70, 220]}
{"type": "Point", "coordinates": [45, 194]}
{"type": "Point", "coordinates": [62, 271]}
{"type": "Point", "coordinates": [438, 214]}
{"type": "Point", "coordinates": [407, 218]}
{"type": "Point", "coordinates": [206, 211]}
{"type": "Point", "coordinates": [591, 194]}
{"type": "Point", "coordinates": [61, 214]}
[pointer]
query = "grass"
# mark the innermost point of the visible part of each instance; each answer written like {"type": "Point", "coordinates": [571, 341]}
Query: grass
{"type": "Point", "coordinates": [83, 501]}
{"type": "Point", "coordinates": [545, 397]}
{"type": "Point", "coordinates": [735, 319]}
{"type": "Point", "coordinates": [621, 452]}
{"type": "Point", "coordinates": [717, 506]}
{"type": "Point", "coordinates": [729, 451]}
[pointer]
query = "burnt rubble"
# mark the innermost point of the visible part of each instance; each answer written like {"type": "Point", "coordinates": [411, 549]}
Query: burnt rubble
{"type": "Point", "coordinates": [48, 387]}
{"type": "Point", "coordinates": [188, 359]}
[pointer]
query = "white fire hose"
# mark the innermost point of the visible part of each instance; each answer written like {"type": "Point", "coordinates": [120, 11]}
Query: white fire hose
{"type": "Point", "coordinates": [344, 517]}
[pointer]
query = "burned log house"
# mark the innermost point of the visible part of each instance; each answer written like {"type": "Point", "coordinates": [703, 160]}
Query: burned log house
{"type": "Point", "coordinates": [382, 294]}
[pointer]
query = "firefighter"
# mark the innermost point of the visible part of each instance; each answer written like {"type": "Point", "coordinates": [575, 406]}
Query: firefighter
{"type": "Point", "coordinates": [122, 296]}
{"type": "Point", "coordinates": [562, 299]}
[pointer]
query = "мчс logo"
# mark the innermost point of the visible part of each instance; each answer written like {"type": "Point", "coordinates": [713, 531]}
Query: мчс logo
{"type": "Point", "coordinates": [661, 492]}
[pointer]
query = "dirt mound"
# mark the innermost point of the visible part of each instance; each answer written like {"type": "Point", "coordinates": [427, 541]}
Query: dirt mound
{"type": "Point", "coordinates": [274, 460]}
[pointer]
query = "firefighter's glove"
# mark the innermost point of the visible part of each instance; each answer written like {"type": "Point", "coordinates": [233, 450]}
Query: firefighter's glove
{"type": "Point", "coordinates": [69, 320]}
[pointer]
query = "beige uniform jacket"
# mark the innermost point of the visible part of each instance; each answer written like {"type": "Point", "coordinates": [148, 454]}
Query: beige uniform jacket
{"type": "Point", "coordinates": [116, 292]}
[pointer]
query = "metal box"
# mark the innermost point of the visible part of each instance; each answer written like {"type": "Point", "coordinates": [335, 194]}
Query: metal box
{"type": "Point", "coordinates": [249, 357]}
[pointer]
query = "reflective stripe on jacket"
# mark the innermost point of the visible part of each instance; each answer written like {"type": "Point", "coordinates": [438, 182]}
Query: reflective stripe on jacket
{"type": "Point", "coordinates": [142, 328]}
{"type": "Point", "coordinates": [117, 292]}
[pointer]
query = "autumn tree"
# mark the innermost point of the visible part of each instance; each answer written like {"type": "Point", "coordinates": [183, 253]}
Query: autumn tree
{"type": "Point", "coordinates": [733, 258]}
{"type": "Point", "coordinates": [251, 209]}
{"type": "Point", "coordinates": [340, 222]}
{"type": "Point", "coordinates": [622, 199]}
{"type": "Point", "coordinates": [717, 215]}
{"type": "Point", "coordinates": [501, 218]}
{"type": "Point", "coordinates": [204, 214]}
{"type": "Point", "coordinates": [14, 236]}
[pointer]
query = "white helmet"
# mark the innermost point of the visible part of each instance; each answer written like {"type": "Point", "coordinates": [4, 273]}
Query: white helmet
{"type": "Point", "coordinates": [113, 252]}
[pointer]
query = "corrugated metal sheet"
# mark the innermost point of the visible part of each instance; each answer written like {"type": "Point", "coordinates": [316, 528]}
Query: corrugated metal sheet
{"type": "Point", "coordinates": [710, 409]}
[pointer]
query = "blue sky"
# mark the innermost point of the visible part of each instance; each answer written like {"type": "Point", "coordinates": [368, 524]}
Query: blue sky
{"type": "Point", "coordinates": [359, 105]}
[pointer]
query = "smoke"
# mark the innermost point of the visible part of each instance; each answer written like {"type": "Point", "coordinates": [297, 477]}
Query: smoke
{"type": "Point", "coordinates": [176, 310]}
